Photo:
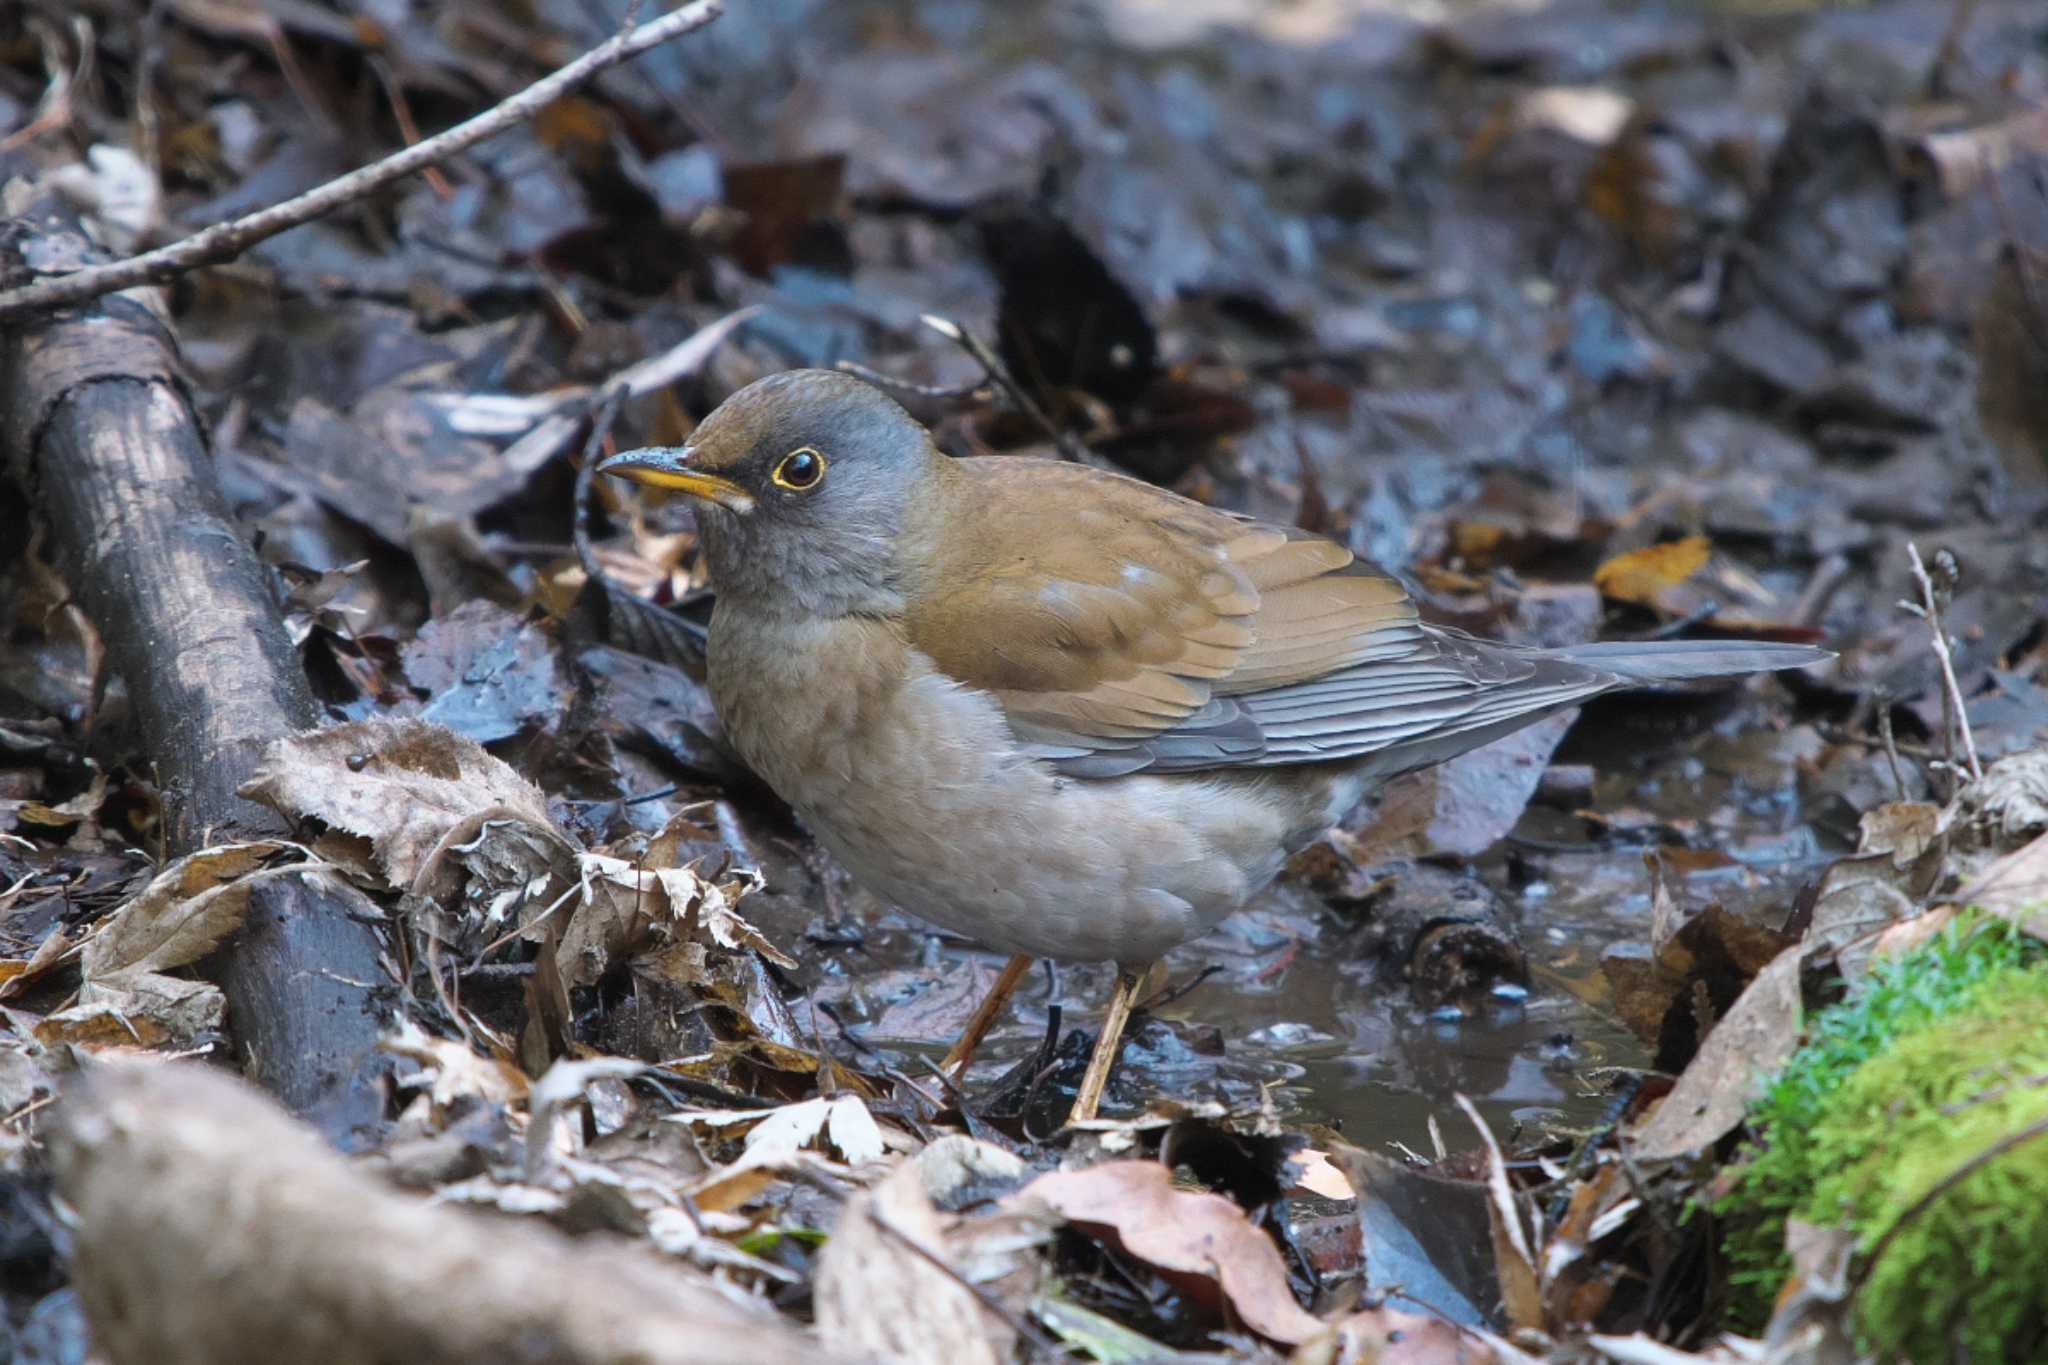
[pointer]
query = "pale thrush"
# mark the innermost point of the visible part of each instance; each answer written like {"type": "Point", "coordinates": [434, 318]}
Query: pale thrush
{"type": "Point", "coordinates": [1059, 711]}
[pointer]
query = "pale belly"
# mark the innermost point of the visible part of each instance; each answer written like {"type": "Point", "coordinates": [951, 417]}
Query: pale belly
{"type": "Point", "coordinates": [919, 791]}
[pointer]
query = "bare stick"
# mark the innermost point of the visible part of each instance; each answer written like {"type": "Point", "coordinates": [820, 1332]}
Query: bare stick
{"type": "Point", "coordinates": [1069, 448]}
{"type": "Point", "coordinates": [891, 382]}
{"type": "Point", "coordinates": [1929, 610]}
{"type": "Point", "coordinates": [225, 241]}
{"type": "Point", "coordinates": [1891, 743]}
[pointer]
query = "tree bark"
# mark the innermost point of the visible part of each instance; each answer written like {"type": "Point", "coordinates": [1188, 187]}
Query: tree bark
{"type": "Point", "coordinates": [100, 432]}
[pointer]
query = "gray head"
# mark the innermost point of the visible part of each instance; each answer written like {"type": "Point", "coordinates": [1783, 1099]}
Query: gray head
{"type": "Point", "coordinates": [805, 484]}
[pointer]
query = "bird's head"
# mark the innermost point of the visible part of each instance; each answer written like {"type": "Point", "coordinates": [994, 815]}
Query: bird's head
{"type": "Point", "coordinates": [807, 484]}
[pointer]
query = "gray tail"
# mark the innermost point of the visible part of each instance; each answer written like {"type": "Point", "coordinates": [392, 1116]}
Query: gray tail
{"type": "Point", "coordinates": [1674, 660]}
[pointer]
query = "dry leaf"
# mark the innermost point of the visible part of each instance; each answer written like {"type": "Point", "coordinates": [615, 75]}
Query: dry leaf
{"type": "Point", "coordinates": [184, 911]}
{"type": "Point", "coordinates": [1514, 1262]}
{"type": "Point", "coordinates": [1591, 114]}
{"type": "Point", "coordinates": [1315, 1175]}
{"type": "Point", "coordinates": [2015, 887]}
{"type": "Point", "coordinates": [1906, 935]}
{"type": "Point", "coordinates": [625, 908]}
{"type": "Point", "coordinates": [1576, 1285]}
{"type": "Point", "coordinates": [1963, 158]}
{"type": "Point", "coordinates": [137, 1010]}
{"type": "Point", "coordinates": [843, 1121]}
{"type": "Point", "coordinates": [714, 911]}
{"type": "Point", "coordinates": [1752, 1040]}
{"type": "Point", "coordinates": [406, 785]}
{"type": "Point", "coordinates": [882, 1289]}
{"type": "Point", "coordinates": [55, 950]}
{"type": "Point", "coordinates": [65, 814]}
{"type": "Point", "coordinates": [1203, 1237]}
{"type": "Point", "coordinates": [1901, 854]}
{"type": "Point", "coordinates": [453, 1072]}
{"type": "Point", "coordinates": [740, 1184]}
{"type": "Point", "coordinates": [1641, 576]}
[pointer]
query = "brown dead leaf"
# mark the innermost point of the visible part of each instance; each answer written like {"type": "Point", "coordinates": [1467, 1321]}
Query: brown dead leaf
{"type": "Point", "coordinates": [1901, 854]}
{"type": "Point", "coordinates": [137, 1010]}
{"type": "Point", "coordinates": [626, 910]}
{"type": "Point", "coordinates": [881, 1287]}
{"type": "Point", "coordinates": [1752, 1040]}
{"type": "Point", "coordinates": [2015, 888]}
{"type": "Point", "coordinates": [737, 1185]}
{"type": "Point", "coordinates": [184, 911]}
{"type": "Point", "coordinates": [1577, 1286]}
{"type": "Point", "coordinates": [452, 1072]}
{"type": "Point", "coordinates": [1642, 576]}
{"type": "Point", "coordinates": [65, 814]}
{"type": "Point", "coordinates": [55, 950]}
{"type": "Point", "coordinates": [1463, 806]}
{"type": "Point", "coordinates": [2009, 805]}
{"type": "Point", "coordinates": [1960, 159]}
{"type": "Point", "coordinates": [1203, 1240]}
{"type": "Point", "coordinates": [1314, 1174]}
{"type": "Point", "coordinates": [1906, 935]}
{"type": "Point", "coordinates": [406, 785]}
{"type": "Point", "coordinates": [1521, 1288]}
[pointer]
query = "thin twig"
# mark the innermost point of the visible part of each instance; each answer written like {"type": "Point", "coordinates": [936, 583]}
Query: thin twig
{"type": "Point", "coordinates": [1929, 610]}
{"type": "Point", "coordinates": [56, 108]}
{"type": "Point", "coordinates": [401, 114]}
{"type": "Point", "coordinates": [890, 381]}
{"type": "Point", "coordinates": [967, 341]}
{"type": "Point", "coordinates": [1891, 743]}
{"type": "Point", "coordinates": [601, 422]}
{"type": "Point", "coordinates": [225, 241]}
{"type": "Point", "coordinates": [1828, 577]}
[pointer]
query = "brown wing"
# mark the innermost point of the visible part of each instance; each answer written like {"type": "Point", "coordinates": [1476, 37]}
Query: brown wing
{"type": "Point", "coordinates": [1117, 624]}
{"type": "Point", "coordinates": [1124, 629]}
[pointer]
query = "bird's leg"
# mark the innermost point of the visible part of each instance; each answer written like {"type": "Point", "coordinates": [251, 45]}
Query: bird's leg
{"type": "Point", "coordinates": [1107, 1044]}
{"type": "Point", "coordinates": [985, 1015]}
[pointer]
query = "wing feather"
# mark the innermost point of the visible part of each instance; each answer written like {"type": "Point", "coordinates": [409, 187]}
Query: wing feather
{"type": "Point", "coordinates": [1124, 629]}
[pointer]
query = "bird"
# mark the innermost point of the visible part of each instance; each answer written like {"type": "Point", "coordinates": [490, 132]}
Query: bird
{"type": "Point", "coordinates": [1059, 711]}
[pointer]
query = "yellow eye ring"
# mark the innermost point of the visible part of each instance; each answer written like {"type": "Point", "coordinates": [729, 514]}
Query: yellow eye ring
{"type": "Point", "coordinates": [800, 469]}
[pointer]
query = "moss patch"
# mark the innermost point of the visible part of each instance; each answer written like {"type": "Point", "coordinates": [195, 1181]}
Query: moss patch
{"type": "Point", "coordinates": [1934, 1059]}
{"type": "Point", "coordinates": [1965, 1269]}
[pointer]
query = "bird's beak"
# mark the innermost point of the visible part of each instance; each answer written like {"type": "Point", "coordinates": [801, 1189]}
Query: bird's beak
{"type": "Point", "coordinates": [669, 467]}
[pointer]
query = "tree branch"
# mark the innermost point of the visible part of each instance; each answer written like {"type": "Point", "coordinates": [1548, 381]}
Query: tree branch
{"type": "Point", "coordinates": [225, 241]}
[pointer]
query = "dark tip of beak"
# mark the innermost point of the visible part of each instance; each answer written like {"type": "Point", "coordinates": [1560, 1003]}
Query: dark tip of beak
{"type": "Point", "coordinates": [653, 459]}
{"type": "Point", "coordinates": [669, 467]}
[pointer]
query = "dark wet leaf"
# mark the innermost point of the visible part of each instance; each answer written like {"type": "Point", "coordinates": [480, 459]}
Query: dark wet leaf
{"type": "Point", "coordinates": [1425, 1233]}
{"type": "Point", "coordinates": [788, 208]}
{"type": "Point", "coordinates": [487, 674]}
{"type": "Point", "coordinates": [1063, 320]}
{"type": "Point", "coordinates": [1745, 1047]}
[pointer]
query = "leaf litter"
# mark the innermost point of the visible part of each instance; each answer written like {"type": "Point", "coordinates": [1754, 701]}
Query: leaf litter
{"type": "Point", "coordinates": [1582, 328]}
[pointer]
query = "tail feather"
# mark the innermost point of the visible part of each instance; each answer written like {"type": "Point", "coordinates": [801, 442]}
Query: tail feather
{"type": "Point", "coordinates": [1675, 660]}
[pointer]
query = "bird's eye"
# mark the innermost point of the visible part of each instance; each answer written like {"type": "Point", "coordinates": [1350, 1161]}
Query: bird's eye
{"type": "Point", "coordinates": [800, 469]}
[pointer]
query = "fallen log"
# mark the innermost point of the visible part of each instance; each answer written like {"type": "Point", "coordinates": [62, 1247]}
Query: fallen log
{"type": "Point", "coordinates": [211, 1227]}
{"type": "Point", "coordinates": [99, 432]}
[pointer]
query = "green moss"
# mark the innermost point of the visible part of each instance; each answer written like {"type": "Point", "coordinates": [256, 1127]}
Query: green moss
{"type": "Point", "coordinates": [1805, 1147]}
{"type": "Point", "coordinates": [1965, 1269]}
